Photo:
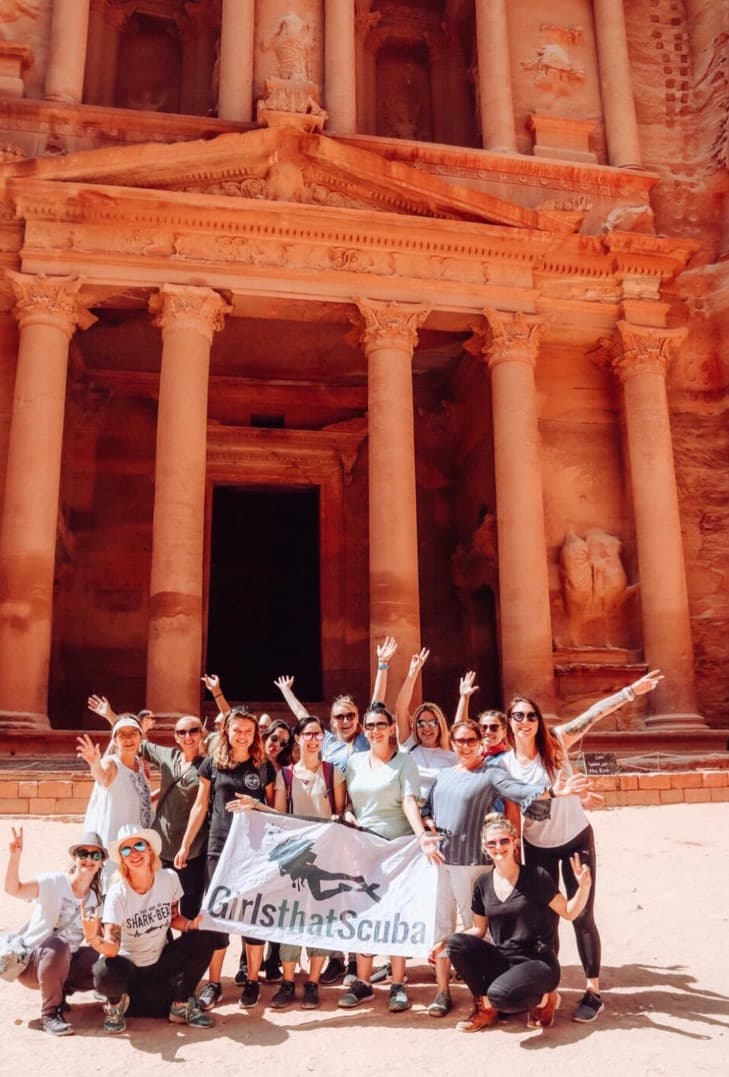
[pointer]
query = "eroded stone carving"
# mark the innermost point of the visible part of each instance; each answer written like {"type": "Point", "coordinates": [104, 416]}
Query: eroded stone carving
{"type": "Point", "coordinates": [476, 565]}
{"type": "Point", "coordinates": [12, 11]}
{"type": "Point", "coordinates": [594, 586]}
{"type": "Point", "coordinates": [554, 71]}
{"type": "Point", "coordinates": [291, 91]}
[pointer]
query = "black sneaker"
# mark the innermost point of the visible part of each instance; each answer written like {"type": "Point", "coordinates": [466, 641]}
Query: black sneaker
{"type": "Point", "coordinates": [441, 1005]}
{"type": "Point", "coordinates": [55, 1025]}
{"type": "Point", "coordinates": [272, 971]}
{"type": "Point", "coordinates": [209, 995]}
{"type": "Point", "coordinates": [351, 974]}
{"type": "Point", "coordinates": [283, 997]}
{"type": "Point", "coordinates": [241, 976]}
{"type": "Point", "coordinates": [334, 971]}
{"type": "Point", "coordinates": [358, 992]}
{"type": "Point", "coordinates": [310, 1001]}
{"type": "Point", "coordinates": [249, 994]}
{"type": "Point", "coordinates": [588, 1009]}
{"type": "Point", "coordinates": [399, 1000]}
{"type": "Point", "coordinates": [381, 975]}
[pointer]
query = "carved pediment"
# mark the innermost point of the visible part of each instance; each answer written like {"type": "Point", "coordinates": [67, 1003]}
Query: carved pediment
{"type": "Point", "coordinates": [285, 164]}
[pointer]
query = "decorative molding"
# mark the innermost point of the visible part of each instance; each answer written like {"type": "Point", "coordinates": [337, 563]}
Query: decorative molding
{"type": "Point", "coordinates": [644, 349]}
{"type": "Point", "coordinates": [194, 310]}
{"type": "Point", "coordinates": [388, 325]}
{"type": "Point", "coordinates": [53, 301]}
{"type": "Point", "coordinates": [507, 337]}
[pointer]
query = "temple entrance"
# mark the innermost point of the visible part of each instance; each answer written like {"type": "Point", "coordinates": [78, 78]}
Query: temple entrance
{"type": "Point", "coordinates": [264, 608]}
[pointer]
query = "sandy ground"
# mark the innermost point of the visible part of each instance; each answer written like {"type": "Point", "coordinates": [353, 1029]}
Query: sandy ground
{"type": "Point", "coordinates": [663, 911]}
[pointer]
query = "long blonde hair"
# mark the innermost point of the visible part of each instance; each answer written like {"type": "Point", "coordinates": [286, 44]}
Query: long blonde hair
{"type": "Point", "coordinates": [444, 737]}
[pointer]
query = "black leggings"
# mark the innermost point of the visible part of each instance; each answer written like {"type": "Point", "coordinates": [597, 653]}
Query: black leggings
{"type": "Point", "coordinates": [586, 933]}
{"type": "Point", "coordinates": [511, 984]}
{"type": "Point", "coordinates": [153, 988]}
{"type": "Point", "coordinates": [192, 878]}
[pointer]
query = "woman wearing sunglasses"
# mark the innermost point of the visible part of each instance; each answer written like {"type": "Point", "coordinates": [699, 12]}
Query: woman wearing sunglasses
{"type": "Point", "coordinates": [237, 768]}
{"type": "Point", "coordinates": [460, 798]}
{"type": "Point", "coordinates": [313, 789]}
{"type": "Point", "coordinates": [424, 734]}
{"type": "Point", "coordinates": [277, 743]}
{"type": "Point", "coordinates": [138, 968]}
{"type": "Point", "coordinates": [59, 961]}
{"type": "Point", "coordinates": [384, 789]}
{"type": "Point", "coordinates": [517, 969]}
{"type": "Point", "coordinates": [553, 833]}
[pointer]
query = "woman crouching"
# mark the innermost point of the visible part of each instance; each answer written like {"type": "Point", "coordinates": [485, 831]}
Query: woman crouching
{"type": "Point", "coordinates": [518, 969]}
{"type": "Point", "coordinates": [138, 968]}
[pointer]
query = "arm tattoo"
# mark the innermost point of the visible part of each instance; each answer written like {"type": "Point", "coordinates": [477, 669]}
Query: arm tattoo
{"type": "Point", "coordinates": [113, 931]}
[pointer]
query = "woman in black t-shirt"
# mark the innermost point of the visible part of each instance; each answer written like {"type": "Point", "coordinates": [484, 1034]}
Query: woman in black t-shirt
{"type": "Point", "coordinates": [237, 767]}
{"type": "Point", "coordinates": [518, 969]}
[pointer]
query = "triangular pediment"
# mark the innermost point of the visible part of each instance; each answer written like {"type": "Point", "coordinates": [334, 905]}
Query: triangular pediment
{"type": "Point", "coordinates": [287, 165]}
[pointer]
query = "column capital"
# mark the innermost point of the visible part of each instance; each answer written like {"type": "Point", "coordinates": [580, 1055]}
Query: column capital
{"type": "Point", "coordinates": [388, 325]}
{"type": "Point", "coordinates": [54, 301]}
{"type": "Point", "coordinates": [198, 310]}
{"type": "Point", "coordinates": [507, 337]}
{"type": "Point", "coordinates": [642, 349]}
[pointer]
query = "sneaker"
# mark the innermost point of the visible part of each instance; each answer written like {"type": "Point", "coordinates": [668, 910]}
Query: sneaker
{"type": "Point", "coordinates": [381, 975]}
{"type": "Point", "coordinates": [114, 1015]}
{"type": "Point", "coordinates": [358, 992]}
{"type": "Point", "coordinates": [249, 994]}
{"type": "Point", "coordinates": [399, 1000]}
{"type": "Point", "coordinates": [543, 1016]}
{"type": "Point", "coordinates": [209, 995]}
{"type": "Point", "coordinates": [271, 969]}
{"type": "Point", "coordinates": [478, 1018]}
{"type": "Point", "coordinates": [441, 1005]}
{"type": "Point", "coordinates": [55, 1025]}
{"type": "Point", "coordinates": [310, 1001]}
{"type": "Point", "coordinates": [189, 1013]}
{"type": "Point", "coordinates": [590, 1006]}
{"type": "Point", "coordinates": [284, 996]}
{"type": "Point", "coordinates": [333, 971]}
{"type": "Point", "coordinates": [351, 974]}
{"type": "Point", "coordinates": [241, 976]}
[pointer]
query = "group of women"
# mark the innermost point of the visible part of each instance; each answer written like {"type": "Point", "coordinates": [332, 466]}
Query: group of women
{"type": "Point", "coordinates": [482, 792]}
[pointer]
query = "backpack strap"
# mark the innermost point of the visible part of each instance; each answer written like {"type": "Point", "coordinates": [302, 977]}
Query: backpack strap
{"type": "Point", "coordinates": [288, 777]}
{"type": "Point", "coordinates": [328, 769]}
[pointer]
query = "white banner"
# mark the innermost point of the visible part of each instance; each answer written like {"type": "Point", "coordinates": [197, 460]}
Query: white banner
{"type": "Point", "coordinates": [324, 885]}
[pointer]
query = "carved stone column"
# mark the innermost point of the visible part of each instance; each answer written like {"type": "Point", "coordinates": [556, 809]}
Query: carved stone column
{"type": "Point", "coordinates": [494, 77]}
{"type": "Point", "coordinates": [616, 84]}
{"type": "Point", "coordinates": [438, 57]}
{"type": "Point", "coordinates": [641, 361]}
{"type": "Point", "coordinates": [235, 91]}
{"type": "Point", "coordinates": [340, 86]}
{"type": "Point", "coordinates": [48, 311]}
{"type": "Point", "coordinates": [525, 623]}
{"type": "Point", "coordinates": [198, 25]}
{"type": "Point", "coordinates": [188, 317]}
{"type": "Point", "coordinates": [67, 51]}
{"type": "Point", "coordinates": [389, 337]}
{"type": "Point", "coordinates": [368, 45]}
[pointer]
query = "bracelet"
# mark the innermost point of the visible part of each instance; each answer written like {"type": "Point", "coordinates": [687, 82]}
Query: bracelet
{"type": "Point", "coordinates": [630, 694]}
{"type": "Point", "coordinates": [383, 665]}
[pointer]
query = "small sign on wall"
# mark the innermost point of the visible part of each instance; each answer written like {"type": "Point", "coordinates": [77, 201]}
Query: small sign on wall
{"type": "Point", "coordinates": [600, 762]}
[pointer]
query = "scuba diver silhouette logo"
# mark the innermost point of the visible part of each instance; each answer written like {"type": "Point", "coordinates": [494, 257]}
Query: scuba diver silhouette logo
{"type": "Point", "coordinates": [297, 859]}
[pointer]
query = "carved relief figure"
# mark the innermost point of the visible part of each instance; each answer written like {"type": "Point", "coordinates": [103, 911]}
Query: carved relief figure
{"type": "Point", "coordinates": [291, 44]}
{"type": "Point", "coordinates": [594, 585]}
{"type": "Point", "coordinates": [554, 71]}
{"type": "Point", "coordinates": [13, 10]}
{"type": "Point", "coordinates": [476, 566]}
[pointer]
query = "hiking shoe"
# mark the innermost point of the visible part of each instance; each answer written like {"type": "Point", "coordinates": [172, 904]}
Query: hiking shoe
{"type": "Point", "coordinates": [441, 1005]}
{"type": "Point", "coordinates": [114, 1015]}
{"type": "Point", "coordinates": [358, 992]}
{"type": "Point", "coordinates": [249, 995]}
{"type": "Point", "coordinates": [189, 1013]}
{"type": "Point", "coordinates": [350, 975]}
{"type": "Point", "coordinates": [333, 972]}
{"type": "Point", "coordinates": [543, 1016]}
{"type": "Point", "coordinates": [284, 996]}
{"type": "Point", "coordinates": [590, 1006]}
{"type": "Point", "coordinates": [379, 976]}
{"type": "Point", "coordinates": [55, 1025]}
{"type": "Point", "coordinates": [399, 1000]}
{"type": "Point", "coordinates": [478, 1018]}
{"type": "Point", "coordinates": [310, 1001]}
{"type": "Point", "coordinates": [271, 969]}
{"type": "Point", "coordinates": [209, 995]}
{"type": "Point", "coordinates": [241, 976]}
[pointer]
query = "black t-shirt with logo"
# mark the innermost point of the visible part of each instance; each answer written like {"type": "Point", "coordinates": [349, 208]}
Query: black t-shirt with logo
{"type": "Point", "coordinates": [242, 778]}
{"type": "Point", "coordinates": [523, 925]}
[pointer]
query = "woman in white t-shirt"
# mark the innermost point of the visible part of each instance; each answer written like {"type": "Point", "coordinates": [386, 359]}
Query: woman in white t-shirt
{"type": "Point", "coordinates": [424, 734]}
{"type": "Point", "coordinates": [138, 967]}
{"type": "Point", "coordinates": [59, 963]}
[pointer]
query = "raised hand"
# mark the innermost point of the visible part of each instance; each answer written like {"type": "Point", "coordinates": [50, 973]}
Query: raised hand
{"type": "Point", "coordinates": [100, 705]}
{"type": "Point", "coordinates": [386, 649]}
{"type": "Point", "coordinates": [647, 683]}
{"type": "Point", "coordinates": [418, 661]}
{"type": "Point", "coordinates": [581, 872]}
{"type": "Point", "coordinates": [466, 686]}
{"type": "Point", "coordinates": [211, 682]}
{"type": "Point", "coordinates": [283, 683]}
{"type": "Point", "coordinates": [87, 750]}
{"type": "Point", "coordinates": [16, 841]}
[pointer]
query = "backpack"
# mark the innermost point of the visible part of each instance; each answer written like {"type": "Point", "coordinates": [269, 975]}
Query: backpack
{"type": "Point", "coordinates": [288, 777]}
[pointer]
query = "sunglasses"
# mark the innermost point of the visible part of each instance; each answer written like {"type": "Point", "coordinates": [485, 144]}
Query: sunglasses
{"type": "Point", "coordinates": [312, 735]}
{"type": "Point", "coordinates": [524, 716]}
{"type": "Point", "coordinates": [275, 739]}
{"type": "Point", "coordinates": [89, 854]}
{"type": "Point", "coordinates": [487, 728]}
{"type": "Point", "coordinates": [425, 723]}
{"type": "Point", "coordinates": [191, 731]}
{"type": "Point", "coordinates": [465, 741]}
{"type": "Point", "coordinates": [348, 716]}
{"type": "Point", "coordinates": [498, 843]}
{"type": "Point", "coordinates": [135, 847]}
{"type": "Point", "coordinates": [371, 726]}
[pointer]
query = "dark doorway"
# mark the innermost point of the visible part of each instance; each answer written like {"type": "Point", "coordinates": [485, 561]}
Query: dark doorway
{"type": "Point", "coordinates": [264, 616]}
